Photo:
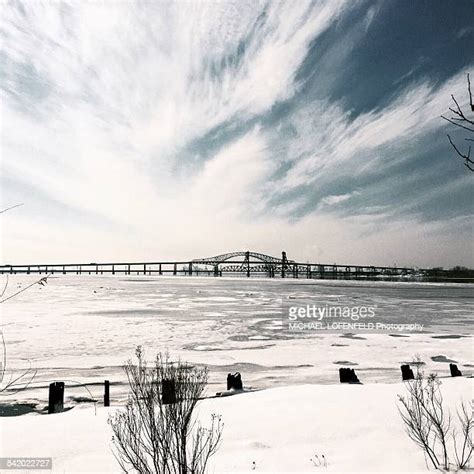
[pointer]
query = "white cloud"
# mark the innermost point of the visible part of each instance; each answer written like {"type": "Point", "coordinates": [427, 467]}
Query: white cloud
{"type": "Point", "coordinates": [336, 198]}
{"type": "Point", "coordinates": [132, 84]}
{"type": "Point", "coordinates": [328, 139]}
{"type": "Point", "coordinates": [124, 87]}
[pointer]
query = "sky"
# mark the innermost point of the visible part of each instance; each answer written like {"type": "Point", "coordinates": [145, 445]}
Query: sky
{"type": "Point", "coordinates": [140, 131]}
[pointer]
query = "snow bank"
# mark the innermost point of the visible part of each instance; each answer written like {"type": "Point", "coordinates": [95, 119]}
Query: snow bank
{"type": "Point", "coordinates": [356, 428]}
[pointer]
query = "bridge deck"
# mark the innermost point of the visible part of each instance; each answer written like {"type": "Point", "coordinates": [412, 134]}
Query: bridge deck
{"type": "Point", "coordinates": [271, 269]}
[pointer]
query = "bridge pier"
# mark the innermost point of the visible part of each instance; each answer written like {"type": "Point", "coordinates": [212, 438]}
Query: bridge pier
{"type": "Point", "coordinates": [283, 264]}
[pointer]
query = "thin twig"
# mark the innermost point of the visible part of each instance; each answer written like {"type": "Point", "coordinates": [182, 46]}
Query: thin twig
{"type": "Point", "coordinates": [457, 124]}
{"type": "Point", "coordinates": [471, 103]}
{"type": "Point", "coordinates": [12, 207]}
{"type": "Point", "coordinates": [40, 281]}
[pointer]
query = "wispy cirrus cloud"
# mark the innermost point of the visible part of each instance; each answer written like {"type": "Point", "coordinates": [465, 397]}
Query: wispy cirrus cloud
{"type": "Point", "coordinates": [176, 129]}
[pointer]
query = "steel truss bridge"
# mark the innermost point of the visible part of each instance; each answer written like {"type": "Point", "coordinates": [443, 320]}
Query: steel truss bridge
{"type": "Point", "coordinates": [244, 263]}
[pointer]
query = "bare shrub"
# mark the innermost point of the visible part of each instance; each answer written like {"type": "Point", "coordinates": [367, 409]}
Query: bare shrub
{"type": "Point", "coordinates": [463, 454]}
{"type": "Point", "coordinates": [429, 424]}
{"type": "Point", "coordinates": [151, 436]}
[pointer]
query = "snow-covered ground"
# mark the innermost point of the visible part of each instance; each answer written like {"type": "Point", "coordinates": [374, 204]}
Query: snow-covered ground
{"type": "Point", "coordinates": [355, 427]}
{"type": "Point", "coordinates": [80, 329]}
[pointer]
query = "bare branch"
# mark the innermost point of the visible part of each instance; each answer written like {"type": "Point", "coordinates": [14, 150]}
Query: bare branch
{"type": "Point", "coordinates": [41, 281]}
{"type": "Point", "coordinates": [461, 121]}
{"type": "Point", "coordinates": [457, 124]}
{"type": "Point", "coordinates": [462, 155]}
{"type": "Point", "coordinates": [9, 208]}
{"type": "Point", "coordinates": [471, 102]}
{"type": "Point", "coordinates": [5, 287]}
{"type": "Point", "coordinates": [459, 111]}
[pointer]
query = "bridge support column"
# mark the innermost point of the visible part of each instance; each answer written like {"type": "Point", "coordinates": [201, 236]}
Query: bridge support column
{"type": "Point", "coordinates": [175, 269]}
{"type": "Point", "coordinates": [247, 259]}
{"type": "Point", "coordinates": [190, 269]}
{"type": "Point", "coordinates": [216, 270]}
{"type": "Point", "coordinates": [160, 272]}
{"type": "Point", "coordinates": [283, 264]}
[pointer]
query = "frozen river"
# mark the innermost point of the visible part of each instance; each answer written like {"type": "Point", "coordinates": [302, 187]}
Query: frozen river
{"type": "Point", "coordinates": [82, 328]}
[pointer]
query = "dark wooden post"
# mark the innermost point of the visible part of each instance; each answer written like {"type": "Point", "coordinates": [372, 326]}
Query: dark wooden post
{"type": "Point", "coordinates": [407, 373]}
{"type": "Point", "coordinates": [455, 372]}
{"type": "Point", "coordinates": [56, 397]}
{"type": "Point", "coordinates": [168, 391]}
{"type": "Point", "coordinates": [347, 375]}
{"type": "Point", "coordinates": [106, 393]}
{"type": "Point", "coordinates": [234, 381]}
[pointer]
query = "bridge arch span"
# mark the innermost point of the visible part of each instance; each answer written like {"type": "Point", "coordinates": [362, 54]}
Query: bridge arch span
{"type": "Point", "coordinates": [247, 255]}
